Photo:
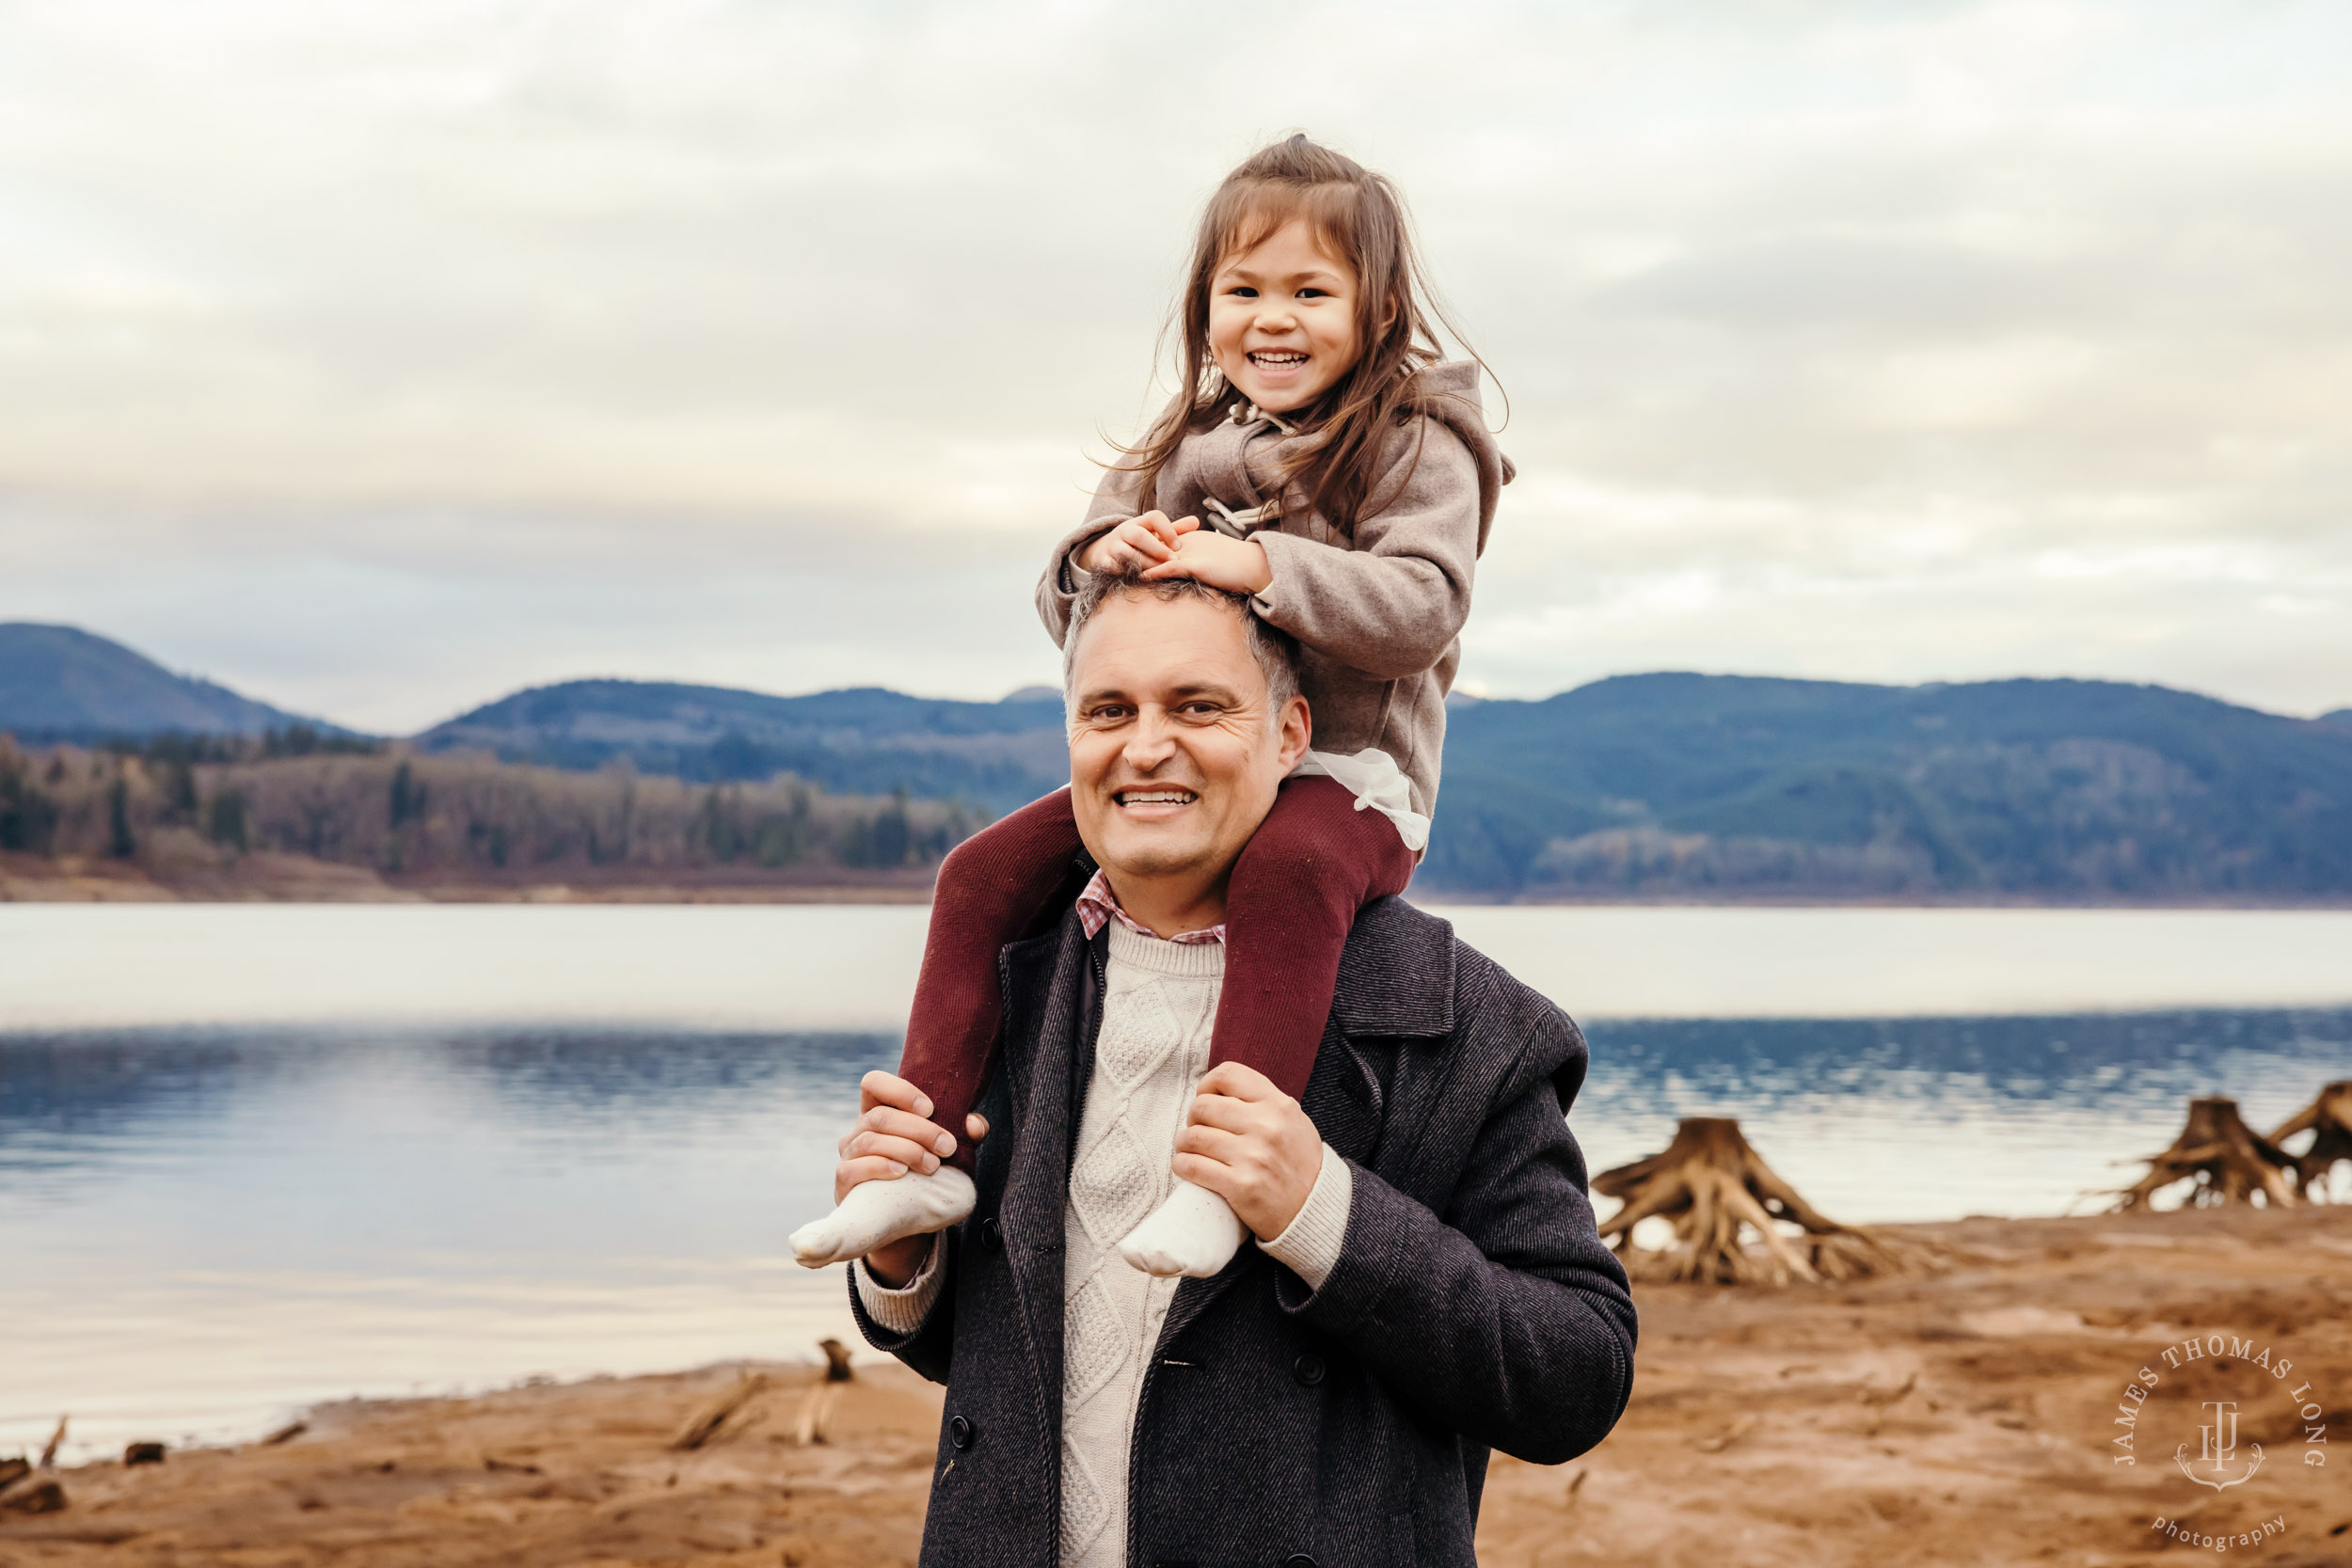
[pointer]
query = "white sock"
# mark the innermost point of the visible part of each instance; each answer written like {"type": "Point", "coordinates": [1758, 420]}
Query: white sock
{"type": "Point", "coordinates": [879, 1212]}
{"type": "Point", "coordinates": [1195, 1232]}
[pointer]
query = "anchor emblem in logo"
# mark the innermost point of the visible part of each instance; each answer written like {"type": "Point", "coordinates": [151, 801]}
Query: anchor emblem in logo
{"type": "Point", "coordinates": [2220, 1444]}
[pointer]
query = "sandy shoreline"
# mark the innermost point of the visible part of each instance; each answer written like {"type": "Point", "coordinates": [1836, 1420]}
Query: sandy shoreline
{"type": "Point", "coordinates": [1963, 1417]}
{"type": "Point", "coordinates": [269, 877]}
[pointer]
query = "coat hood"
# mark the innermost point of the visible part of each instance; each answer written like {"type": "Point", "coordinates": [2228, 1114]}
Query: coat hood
{"type": "Point", "coordinates": [1449, 394]}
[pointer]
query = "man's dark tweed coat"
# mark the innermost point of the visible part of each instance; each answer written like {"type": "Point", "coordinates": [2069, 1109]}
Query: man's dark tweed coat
{"type": "Point", "coordinates": [1472, 1306]}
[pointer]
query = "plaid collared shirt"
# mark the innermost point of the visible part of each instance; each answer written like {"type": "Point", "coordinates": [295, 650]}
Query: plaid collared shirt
{"type": "Point", "coordinates": [1098, 906]}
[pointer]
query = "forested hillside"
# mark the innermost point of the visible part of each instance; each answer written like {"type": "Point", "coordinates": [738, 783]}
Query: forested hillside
{"type": "Point", "coordinates": [1653, 785]}
{"type": "Point", "coordinates": [1663, 785]}
{"type": "Point", "coordinates": [1697, 785]}
{"type": "Point", "coordinates": [176, 808]}
{"type": "Point", "coordinates": [865, 740]}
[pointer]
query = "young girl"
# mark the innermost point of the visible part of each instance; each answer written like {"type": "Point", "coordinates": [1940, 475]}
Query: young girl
{"type": "Point", "coordinates": [1347, 482]}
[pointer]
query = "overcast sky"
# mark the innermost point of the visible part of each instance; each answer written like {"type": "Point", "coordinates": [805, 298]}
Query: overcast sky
{"type": "Point", "coordinates": [380, 359]}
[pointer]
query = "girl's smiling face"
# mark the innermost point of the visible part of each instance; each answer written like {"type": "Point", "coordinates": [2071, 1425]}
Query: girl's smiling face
{"type": "Point", "coordinates": [1282, 319]}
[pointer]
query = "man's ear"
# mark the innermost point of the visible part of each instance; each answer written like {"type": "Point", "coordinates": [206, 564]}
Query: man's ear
{"type": "Point", "coordinates": [1298, 730]}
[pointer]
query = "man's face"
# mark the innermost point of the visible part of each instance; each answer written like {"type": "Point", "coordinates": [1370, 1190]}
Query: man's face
{"type": "Point", "coordinates": [1172, 761]}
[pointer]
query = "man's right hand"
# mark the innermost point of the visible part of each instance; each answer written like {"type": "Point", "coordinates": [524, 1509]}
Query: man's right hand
{"type": "Point", "coordinates": [1138, 543]}
{"type": "Point", "coordinates": [892, 1137]}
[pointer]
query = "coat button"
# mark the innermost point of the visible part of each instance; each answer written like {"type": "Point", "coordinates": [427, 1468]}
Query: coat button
{"type": "Point", "coordinates": [992, 1234]}
{"type": "Point", "coordinates": [1298, 1560]}
{"type": "Point", "coordinates": [961, 1433]}
{"type": "Point", "coordinates": [1308, 1370]}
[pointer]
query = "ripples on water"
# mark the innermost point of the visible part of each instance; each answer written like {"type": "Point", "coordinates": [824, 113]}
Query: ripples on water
{"type": "Point", "coordinates": [204, 1227]}
{"type": "Point", "coordinates": [1924, 1118]}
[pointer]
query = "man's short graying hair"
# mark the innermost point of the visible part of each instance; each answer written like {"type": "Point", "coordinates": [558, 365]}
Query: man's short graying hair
{"type": "Point", "coordinates": [1274, 651]}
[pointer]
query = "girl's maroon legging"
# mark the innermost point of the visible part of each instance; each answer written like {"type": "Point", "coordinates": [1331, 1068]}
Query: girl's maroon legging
{"type": "Point", "coordinates": [1313, 863]}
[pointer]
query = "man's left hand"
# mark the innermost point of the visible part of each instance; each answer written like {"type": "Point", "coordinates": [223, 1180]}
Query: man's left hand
{"type": "Point", "coordinates": [1251, 1144]}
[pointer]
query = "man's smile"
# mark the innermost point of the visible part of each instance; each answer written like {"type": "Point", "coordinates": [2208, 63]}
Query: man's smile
{"type": "Point", "coordinates": [1155, 800]}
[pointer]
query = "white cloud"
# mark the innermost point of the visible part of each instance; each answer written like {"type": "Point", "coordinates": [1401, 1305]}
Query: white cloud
{"type": "Point", "coordinates": [379, 358]}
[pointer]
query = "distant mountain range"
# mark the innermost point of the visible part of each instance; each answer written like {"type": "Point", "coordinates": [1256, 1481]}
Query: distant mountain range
{"type": "Point", "coordinates": [863, 740]}
{"type": "Point", "coordinates": [61, 681]}
{"type": "Point", "coordinates": [1670, 785]}
{"type": "Point", "coordinates": [2057, 789]}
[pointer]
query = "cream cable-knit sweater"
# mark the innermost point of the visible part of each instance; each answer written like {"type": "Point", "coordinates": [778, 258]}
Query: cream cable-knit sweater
{"type": "Point", "coordinates": [1158, 1008]}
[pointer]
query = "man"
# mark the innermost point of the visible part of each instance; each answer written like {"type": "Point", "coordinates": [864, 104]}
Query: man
{"type": "Point", "coordinates": [1427, 1284]}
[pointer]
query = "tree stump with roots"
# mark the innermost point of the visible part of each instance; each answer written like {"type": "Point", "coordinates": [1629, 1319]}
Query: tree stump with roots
{"type": "Point", "coordinates": [1717, 1192]}
{"type": "Point", "coordinates": [2329, 1119]}
{"type": "Point", "coordinates": [2228, 1161]}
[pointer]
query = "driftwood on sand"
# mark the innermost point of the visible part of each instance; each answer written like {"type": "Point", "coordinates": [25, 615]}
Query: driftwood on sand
{"type": "Point", "coordinates": [719, 1420]}
{"type": "Point", "coordinates": [45, 1497]}
{"type": "Point", "coordinates": [1727, 1208]}
{"type": "Point", "coordinates": [699, 1432]}
{"type": "Point", "coordinates": [2229, 1162]}
{"type": "Point", "coordinates": [817, 1407]}
{"type": "Point", "coordinates": [2329, 1119]}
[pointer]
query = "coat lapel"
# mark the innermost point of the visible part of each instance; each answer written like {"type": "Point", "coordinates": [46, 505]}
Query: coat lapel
{"type": "Point", "coordinates": [1046, 1017]}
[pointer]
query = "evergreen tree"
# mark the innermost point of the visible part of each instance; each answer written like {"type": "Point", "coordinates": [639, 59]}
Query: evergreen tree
{"type": "Point", "coordinates": [892, 835]}
{"type": "Point", "coordinates": [224, 820]}
{"type": "Point", "coordinates": [27, 817]}
{"type": "Point", "coordinates": [120, 844]}
{"type": "Point", "coordinates": [407, 799]}
{"type": "Point", "coordinates": [180, 788]}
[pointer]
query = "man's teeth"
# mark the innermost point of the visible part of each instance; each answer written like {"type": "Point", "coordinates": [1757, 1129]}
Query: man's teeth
{"type": "Point", "coordinates": [1154, 796]}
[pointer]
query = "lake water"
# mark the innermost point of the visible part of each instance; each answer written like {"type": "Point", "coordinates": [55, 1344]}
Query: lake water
{"type": "Point", "coordinates": [256, 1156]}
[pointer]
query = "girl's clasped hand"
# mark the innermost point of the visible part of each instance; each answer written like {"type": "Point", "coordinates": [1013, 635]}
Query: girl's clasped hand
{"type": "Point", "coordinates": [1180, 548]}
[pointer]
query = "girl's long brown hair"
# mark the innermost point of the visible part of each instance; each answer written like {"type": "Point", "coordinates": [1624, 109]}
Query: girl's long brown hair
{"type": "Point", "coordinates": [1360, 218]}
